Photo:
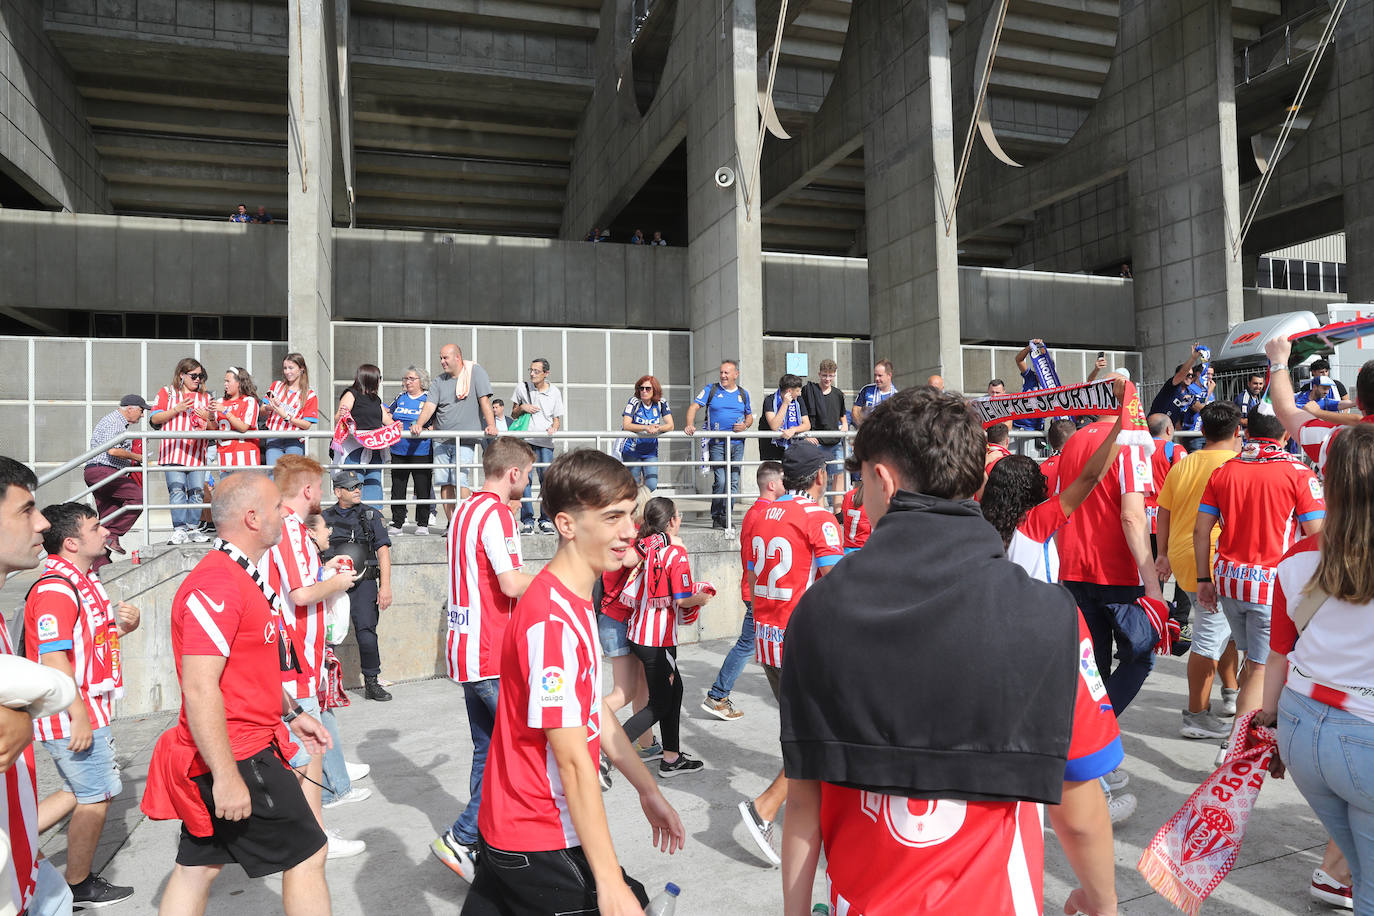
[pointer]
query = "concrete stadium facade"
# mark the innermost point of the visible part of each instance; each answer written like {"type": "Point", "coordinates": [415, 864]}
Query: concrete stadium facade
{"type": "Point", "coordinates": [439, 161]}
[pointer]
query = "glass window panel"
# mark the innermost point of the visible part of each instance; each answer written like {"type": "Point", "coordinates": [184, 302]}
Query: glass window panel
{"type": "Point", "coordinates": [1314, 275]}
{"type": "Point", "coordinates": [1264, 277]}
{"type": "Point", "coordinates": [1296, 272]}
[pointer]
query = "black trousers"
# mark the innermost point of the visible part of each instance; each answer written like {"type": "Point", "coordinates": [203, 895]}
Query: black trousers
{"type": "Point", "coordinates": [363, 610]}
{"type": "Point", "coordinates": [536, 884]}
{"type": "Point", "coordinates": [665, 695]}
{"type": "Point", "coordinates": [424, 487]}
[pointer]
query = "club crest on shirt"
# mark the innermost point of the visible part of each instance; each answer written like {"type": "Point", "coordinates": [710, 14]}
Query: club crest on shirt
{"type": "Point", "coordinates": [269, 633]}
{"type": "Point", "coordinates": [551, 686]}
{"type": "Point", "coordinates": [1087, 667]}
{"type": "Point", "coordinates": [47, 627]}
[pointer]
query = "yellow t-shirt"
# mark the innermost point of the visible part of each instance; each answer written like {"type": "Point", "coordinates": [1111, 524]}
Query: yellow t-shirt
{"type": "Point", "coordinates": [1181, 494]}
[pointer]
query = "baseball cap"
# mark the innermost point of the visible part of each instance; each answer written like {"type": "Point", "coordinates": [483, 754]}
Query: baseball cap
{"type": "Point", "coordinates": [802, 459]}
{"type": "Point", "coordinates": [1324, 380]}
{"type": "Point", "coordinates": [134, 400]}
{"type": "Point", "coordinates": [347, 480]}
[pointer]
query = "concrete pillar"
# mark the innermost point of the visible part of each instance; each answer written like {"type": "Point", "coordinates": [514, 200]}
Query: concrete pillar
{"type": "Point", "coordinates": [1184, 190]}
{"type": "Point", "coordinates": [724, 257]}
{"type": "Point", "coordinates": [310, 183]}
{"type": "Point", "coordinates": [913, 280]}
{"type": "Point", "coordinates": [1355, 62]}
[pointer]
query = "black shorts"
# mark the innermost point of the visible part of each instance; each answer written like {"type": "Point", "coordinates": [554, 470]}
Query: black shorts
{"type": "Point", "coordinates": [280, 834]}
{"type": "Point", "coordinates": [774, 675]}
{"type": "Point", "coordinates": [537, 884]}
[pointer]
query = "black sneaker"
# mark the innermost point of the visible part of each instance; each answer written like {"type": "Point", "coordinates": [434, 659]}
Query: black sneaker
{"type": "Point", "coordinates": [604, 773]}
{"type": "Point", "coordinates": [96, 892]}
{"type": "Point", "coordinates": [683, 764]}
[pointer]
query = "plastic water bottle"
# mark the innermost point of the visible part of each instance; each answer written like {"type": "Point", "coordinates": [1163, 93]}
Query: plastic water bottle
{"type": "Point", "coordinates": [821, 909]}
{"type": "Point", "coordinates": [665, 904]}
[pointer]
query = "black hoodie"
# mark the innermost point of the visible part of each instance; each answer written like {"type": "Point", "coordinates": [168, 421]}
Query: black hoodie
{"type": "Point", "coordinates": [929, 665]}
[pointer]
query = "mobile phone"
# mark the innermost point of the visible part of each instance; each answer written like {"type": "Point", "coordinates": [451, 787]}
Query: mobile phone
{"type": "Point", "coordinates": [1101, 354]}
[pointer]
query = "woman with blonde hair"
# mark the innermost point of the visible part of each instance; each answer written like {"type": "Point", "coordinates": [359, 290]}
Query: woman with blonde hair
{"type": "Point", "coordinates": [183, 406]}
{"type": "Point", "coordinates": [1319, 683]}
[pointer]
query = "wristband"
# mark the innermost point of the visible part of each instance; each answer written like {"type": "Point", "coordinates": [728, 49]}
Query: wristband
{"type": "Point", "coordinates": [1207, 579]}
{"type": "Point", "coordinates": [1273, 366]}
{"type": "Point", "coordinates": [293, 715]}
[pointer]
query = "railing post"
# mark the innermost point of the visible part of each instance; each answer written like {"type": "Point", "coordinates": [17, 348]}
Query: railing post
{"type": "Point", "coordinates": [729, 477]}
{"type": "Point", "coordinates": [147, 512]}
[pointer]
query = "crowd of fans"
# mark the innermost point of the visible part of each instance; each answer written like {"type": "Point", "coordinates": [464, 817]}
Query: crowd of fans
{"type": "Point", "coordinates": [597, 234]}
{"type": "Point", "coordinates": [241, 215]}
{"type": "Point", "coordinates": [1262, 523]}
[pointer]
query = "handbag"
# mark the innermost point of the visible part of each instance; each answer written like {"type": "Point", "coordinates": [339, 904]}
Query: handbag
{"type": "Point", "coordinates": [521, 423]}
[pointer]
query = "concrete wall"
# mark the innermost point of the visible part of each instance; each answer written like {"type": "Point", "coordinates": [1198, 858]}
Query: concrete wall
{"type": "Point", "coordinates": [1262, 302]}
{"type": "Point", "coordinates": [1068, 309]}
{"type": "Point", "coordinates": [412, 630]}
{"type": "Point", "coordinates": [814, 295]}
{"type": "Point", "coordinates": [45, 143]}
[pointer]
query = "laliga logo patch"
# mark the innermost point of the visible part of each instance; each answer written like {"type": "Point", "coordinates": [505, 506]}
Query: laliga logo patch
{"type": "Point", "coordinates": [512, 546]}
{"type": "Point", "coordinates": [832, 535]}
{"type": "Point", "coordinates": [551, 683]}
{"type": "Point", "coordinates": [1315, 486]}
{"type": "Point", "coordinates": [1087, 667]}
{"type": "Point", "coordinates": [47, 627]}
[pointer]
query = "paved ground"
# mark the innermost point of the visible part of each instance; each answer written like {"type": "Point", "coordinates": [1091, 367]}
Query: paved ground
{"type": "Point", "coordinates": [419, 749]}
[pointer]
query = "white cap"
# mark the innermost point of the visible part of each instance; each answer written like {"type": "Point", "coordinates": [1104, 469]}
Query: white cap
{"type": "Point", "coordinates": [1123, 372]}
{"type": "Point", "coordinates": [1323, 380]}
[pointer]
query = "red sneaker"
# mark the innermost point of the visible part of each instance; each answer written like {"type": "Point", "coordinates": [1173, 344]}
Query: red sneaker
{"type": "Point", "coordinates": [1328, 890]}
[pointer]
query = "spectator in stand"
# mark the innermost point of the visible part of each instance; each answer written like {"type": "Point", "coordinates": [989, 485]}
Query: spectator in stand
{"type": "Point", "coordinates": [361, 400]}
{"type": "Point", "coordinates": [241, 215]}
{"type": "Point", "coordinates": [183, 406]}
{"type": "Point", "coordinates": [1174, 396]}
{"type": "Point", "coordinates": [648, 416]}
{"type": "Point", "coordinates": [658, 240]}
{"type": "Point", "coordinates": [996, 386]}
{"type": "Point", "coordinates": [237, 412]}
{"type": "Point", "coordinates": [825, 404]}
{"type": "Point", "coordinates": [1319, 367]}
{"type": "Point", "coordinates": [1212, 651]}
{"type": "Point", "coordinates": [406, 408]}
{"type": "Point", "coordinates": [594, 235]}
{"type": "Point", "coordinates": [637, 238]}
{"type": "Point", "coordinates": [498, 415]}
{"type": "Point", "coordinates": [870, 396]}
{"type": "Point", "coordinates": [292, 407]}
{"type": "Point", "coordinates": [543, 402]}
{"type": "Point", "coordinates": [459, 401]}
{"type": "Point", "coordinates": [785, 413]}
{"type": "Point", "coordinates": [1321, 391]}
{"type": "Point", "coordinates": [263, 216]}
{"type": "Point", "coordinates": [1251, 396]}
{"type": "Point", "coordinates": [1319, 686]}
{"type": "Point", "coordinates": [1204, 392]}
{"type": "Point", "coordinates": [120, 491]}
{"type": "Point", "coordinates": [727, 407]}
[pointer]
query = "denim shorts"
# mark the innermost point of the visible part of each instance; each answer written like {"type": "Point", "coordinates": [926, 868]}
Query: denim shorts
{"type": "Point", "coordinates": [615, 639]}
{"type": "Point", "coordinates": [834, 448]}
{"type": "Point", "coordinates": [91, 775]}
{"type": "Point", "coordinates": [1211, 632]}
{"type": "Point", "coordinates": [443, 455]}
{"type": "Point", "coordinates": [1249, 627]}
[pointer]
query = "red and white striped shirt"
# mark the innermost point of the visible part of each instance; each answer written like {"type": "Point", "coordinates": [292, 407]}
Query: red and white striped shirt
{"type": "Point", "coordinates": [236, 452]}
{"type": "Point", "coordinates": [657, 626]}
{"type": "Point", "coordinates": [790, 544]}
{"type": "Point", "coordinates": [189, 453]}
{"type": "Point", "coordinates": [550, 678]}
{"type": "Point", "coordinates": [55, 620]}
{"type": "Point", "coordinates": [482, 545]}
{"type": "Point", "coordinates": [291, 401]}
{"type": "Point", "coordinates": [19, 817]}
{"type": "Point", "coordinates": [295, 563]}
{"type": "Point", "coordinates": [1315, 438]}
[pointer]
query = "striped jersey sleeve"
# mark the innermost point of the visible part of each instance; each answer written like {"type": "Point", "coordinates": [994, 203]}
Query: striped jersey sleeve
{"type": "Point", "coordinates": [554, 675]}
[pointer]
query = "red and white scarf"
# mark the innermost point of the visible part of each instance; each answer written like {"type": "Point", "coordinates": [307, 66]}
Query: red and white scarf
{"type": "Point", "coordinates": [1090, 400]}
{"type": "Point", "coordinates": [1264, 450]}
{"type": "Point", "coordinates": [104, 675]}
{"type": "Point", "coordinates": [348, 438]}
{"type": "Point", "coordinates": [1196, 848]}
{"type": "Point", "coordinates": [652, 586]}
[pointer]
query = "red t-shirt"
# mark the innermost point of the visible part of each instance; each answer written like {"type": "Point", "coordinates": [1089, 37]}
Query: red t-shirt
{"type": "Point", "coordinates": [295, 563]}
{"type": "Point", "coordinates": [220, 611]}
{"type": "Point", "coordinates": [746, 550]}
{"type": "Point", "coordinates": [1092, 546]}
{"type": "Point", "coordinates": [1261, 505]}
{"type": "Point", "coordinates": [550, 678]}
{"type": "Point", "coordinates": [1049, 468]}
{"type": "Point", "coordinates": [793, 540]}
{"type": "Point", "coordinates": [1032, 545]}
{"type": "Point", "coordinates": [889, 854]}
{"type": "Point", "coordinates": [856, 524]}
{"type": "Point", "coordinates": [1166, 454]}
{"type": "Point", "coordinates": [238, 453]}
{"type": "Point", "coordinates": [482, 545]}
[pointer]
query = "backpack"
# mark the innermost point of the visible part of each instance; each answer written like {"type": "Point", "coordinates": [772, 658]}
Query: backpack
{"type": "Point", "coordinates": [23, 615]}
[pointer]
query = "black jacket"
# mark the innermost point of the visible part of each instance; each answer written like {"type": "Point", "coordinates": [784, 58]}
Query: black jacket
{"type": "Point", "coordinates": [929, 665]}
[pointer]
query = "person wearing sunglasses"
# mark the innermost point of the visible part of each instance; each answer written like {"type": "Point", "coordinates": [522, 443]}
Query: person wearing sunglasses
{"type": "Point", "coordinates": [647, 416]}
{"type": "Point", "coordinates": [184, 405]}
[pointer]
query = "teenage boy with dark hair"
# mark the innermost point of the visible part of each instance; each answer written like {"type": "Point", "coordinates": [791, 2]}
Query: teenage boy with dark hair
{"type": "Point", "coordinates": [918, 809]}
{"type": "Point", "coordinates": [545, 844]}
{"type": "Point", "coordinates": [70, 624]}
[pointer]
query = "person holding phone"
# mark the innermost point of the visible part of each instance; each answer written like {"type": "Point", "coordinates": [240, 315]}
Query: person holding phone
{"type": "Point", "coordinates": [184, 405]}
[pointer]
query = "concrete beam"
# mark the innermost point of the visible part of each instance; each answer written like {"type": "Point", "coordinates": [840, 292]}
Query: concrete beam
{"type": "Point", "coordinates": [410, 138]}
{"type": "Point", "coordinates": [453, 168]}
{"type": "Point", "coordinates": [188, 119]}
{"type": "Point", "coordinates": [515, 196]}
{"type": "Point", "coordinates": [375, 211]}
{"type": "Point", "coordinates": [512, 14]}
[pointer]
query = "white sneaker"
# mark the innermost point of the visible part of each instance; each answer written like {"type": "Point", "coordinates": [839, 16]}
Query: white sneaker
{"type": "Point", "coordinates": [1117, 779]}
{"type": "Point", "coordinates": [421, 531]}
{"type": "Point", "coordinates": [357, 771]}
{"type": "Point", "coordinates": [1203, 725]}
{"type": "Point", "coordinates": [1121, 806]}
{"type": "Point", "coordinates": [196, 536]}
{"type": "Point", "coordinates": [354, 794]}
{"type": "Point", "coordinates": [339, 848]}
{"type": "Point", "coordinates": [1228, 701]}
{"type": "Point", "coordinates": [178, 537]}
{"type": "Point", "coordinates": [393, 530]}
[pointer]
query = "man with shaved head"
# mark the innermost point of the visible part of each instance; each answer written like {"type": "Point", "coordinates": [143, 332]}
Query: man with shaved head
{"type": "Point", "coordinates": [459, 401]}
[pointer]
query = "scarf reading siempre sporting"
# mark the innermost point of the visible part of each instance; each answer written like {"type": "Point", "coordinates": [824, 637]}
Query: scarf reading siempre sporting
{"type": "Point", "coordinates": [1194, 851]}
{"type": "Point", "coordinates": [104, 674]}
{"type": "Point", "coordinates": [1090, 400]}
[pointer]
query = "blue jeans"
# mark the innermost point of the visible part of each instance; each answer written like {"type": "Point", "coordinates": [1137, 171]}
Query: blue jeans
{"type": "Point", "coordinates": [52, 896]}
{"type": "Point", "coordinates": [480, 697]}
{"type": "Point", "coordinates": [278, 447]}
{"type": "Point", "coordinates": [646, 473]}
{"type": "Point", "coordinates": [336, 781]}
{"type": "Point", "coordinates": [736, 658]}
{"type": "Point", "coordinates": [542, 455]}
{"type": "Point", "coordinates": [1330, 755]}
{"type": "Point", "coordinates": [717, 447]}
{"type": "Point", "coordinates": [1124, 682]}
{"type": "Point", "coordinates": [184, 485]}
{"type": "Point", "coordinates": [372, 479]}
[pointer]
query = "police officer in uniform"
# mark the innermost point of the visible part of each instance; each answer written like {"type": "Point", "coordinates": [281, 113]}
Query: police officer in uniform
{"type": "Point", "coordinates": [358, 532]}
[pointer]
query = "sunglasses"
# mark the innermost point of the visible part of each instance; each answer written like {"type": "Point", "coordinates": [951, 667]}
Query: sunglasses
{"type": "Point", "coordinates": [198, 376]}
{"type": "Point", "coordinates": [646, 387]}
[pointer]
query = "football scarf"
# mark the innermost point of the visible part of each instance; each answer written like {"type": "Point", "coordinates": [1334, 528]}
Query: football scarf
{"type": "Point", "coordinates": [104, 674]}
{"type": "Point", "coordinates": [1196, 848]}
{"type": "Point", "coordinates": [1264, 450]}
{"type": "Point", "coordinates": [1089, 400]}
{"type": "Point", "coordinates": [1043, 365]}
{"type": "Point", "coordinates": [331, 690]}
{"type": "Point", "coordinates": [656, 585]}
{"type": "Point", "coordinates": [345, 428]}
{"type": "Point", "coordinates": [287, 654]}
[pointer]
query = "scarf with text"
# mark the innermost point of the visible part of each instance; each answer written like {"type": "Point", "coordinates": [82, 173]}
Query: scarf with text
{"type": "Point", "coordinates": [104, 673]}
{"type": "Point", "coordinates": [1089, 400]}
{"type": "Point", "coordinates": [1264, 450]}
{"type": "Point", "coordinates": [345, 429]}
{"type": "Point", "coordinates": [1197, 847]}
{"type": "Point", "coordinates": [655, 585]}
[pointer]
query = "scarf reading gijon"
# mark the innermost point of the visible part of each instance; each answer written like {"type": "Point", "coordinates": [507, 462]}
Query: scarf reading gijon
{"type": "Point", "coordinates": [345, 429]}
{"type": "Point", "coordinates": [1090, 400]}
{"type": "Point", "coordinates": [104, 673]}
